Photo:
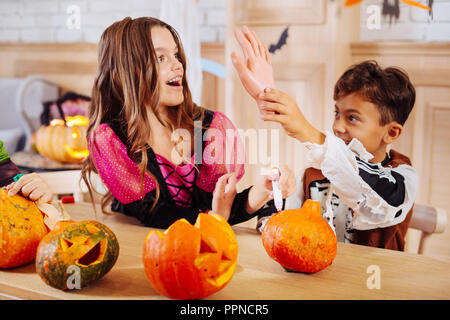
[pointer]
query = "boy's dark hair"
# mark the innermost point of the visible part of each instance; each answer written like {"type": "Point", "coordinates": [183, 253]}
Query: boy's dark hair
{"type": "Point", "coordinates": [389, 89]}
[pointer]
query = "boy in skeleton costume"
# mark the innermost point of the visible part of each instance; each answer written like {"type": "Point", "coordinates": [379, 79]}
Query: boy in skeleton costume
{"type": "Point", "coordinates": [375, 203]}
{"type": "Point", "coordinates": [366, 192]}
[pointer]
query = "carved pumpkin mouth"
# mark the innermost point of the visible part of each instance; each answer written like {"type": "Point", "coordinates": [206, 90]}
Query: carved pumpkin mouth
{"type": "Point", "coordinates": [90, 249]}
{"type": "Point", "coordinates": [213, 265]}
{"type": "Point", "coordinates": [94, 255]}
{"type": "Point", "coordinates": [75, 153]}
{"type": "Point", "coordinates": [218, 253]}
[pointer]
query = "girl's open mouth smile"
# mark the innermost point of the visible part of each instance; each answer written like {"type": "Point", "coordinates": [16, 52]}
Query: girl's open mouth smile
{"type": "Point", "coordinates": [175, 82]}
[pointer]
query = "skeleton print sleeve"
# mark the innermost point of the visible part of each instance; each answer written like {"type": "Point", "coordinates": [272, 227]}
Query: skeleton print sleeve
{"type": "Point", "coordinates": [379, 196]}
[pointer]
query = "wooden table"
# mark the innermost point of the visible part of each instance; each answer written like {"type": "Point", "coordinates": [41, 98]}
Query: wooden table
{"type": "Point", "coordinates": [402, 275]}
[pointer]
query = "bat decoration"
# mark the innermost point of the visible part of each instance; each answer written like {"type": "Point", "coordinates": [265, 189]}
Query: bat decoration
{"type": "Point", "coordinates": [391, 9]}
{"type": "Point", "coordinates": [430, 5]}
{"type": "Point", "coordinates": [281, 42]}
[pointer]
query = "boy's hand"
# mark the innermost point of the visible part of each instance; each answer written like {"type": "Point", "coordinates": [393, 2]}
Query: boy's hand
{"type": "Point", "coordinates": [223, 195]}
{"type": "Point", "coordinates": [284, 110]}
{"type": "Point", "coordinates": [256, 71]}
{"type": "Point", "coordinates": [286, 182]}
{"type": "Point", "coordinates": [262, 191]}
{"type": "Point", "coordinates": [281, 108]}
{"type": "Point", "coordinates": [32, 186]}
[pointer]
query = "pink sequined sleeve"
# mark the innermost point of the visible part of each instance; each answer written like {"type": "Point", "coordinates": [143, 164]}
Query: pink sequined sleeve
{"type": "Point", "coordinates": [224, 153]}
{"type": "Point", "coordinates": [119, 173]}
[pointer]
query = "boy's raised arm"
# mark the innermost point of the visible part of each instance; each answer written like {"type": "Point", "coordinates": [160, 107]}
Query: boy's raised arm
{"type": "Point", "coordinates": [281, 108]}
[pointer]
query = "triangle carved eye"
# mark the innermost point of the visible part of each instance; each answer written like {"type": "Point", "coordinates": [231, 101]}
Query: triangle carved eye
{"type": "Point", "coordinates": [205, 248]}
{"type": "Point", "coordinates": [65, 244]}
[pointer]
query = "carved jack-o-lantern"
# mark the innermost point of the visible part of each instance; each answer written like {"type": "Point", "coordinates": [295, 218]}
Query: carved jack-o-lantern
{"type": "Point", "coordinates": [87, 247]}
{"type": "Point", "coordinates": [64, 142]}
{"type": "Point", "coordinates": [191, 262]}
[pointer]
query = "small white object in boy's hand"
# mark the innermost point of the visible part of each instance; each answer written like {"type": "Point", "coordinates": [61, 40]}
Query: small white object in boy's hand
{"type": "Point", "coordinates": [277, 195]}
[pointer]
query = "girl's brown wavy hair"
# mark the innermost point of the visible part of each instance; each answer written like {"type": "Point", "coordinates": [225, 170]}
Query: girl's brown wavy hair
{"type": "Point", "coordinates": [126, 85]}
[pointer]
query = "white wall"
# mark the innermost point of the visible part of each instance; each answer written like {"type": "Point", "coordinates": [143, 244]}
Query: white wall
{"type": "Point", "coordinates": [413, 24]}
{"type": "Point", "coordinates": [45, 20]}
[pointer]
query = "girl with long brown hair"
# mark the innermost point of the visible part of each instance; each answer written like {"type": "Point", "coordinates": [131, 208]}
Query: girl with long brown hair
{"type": "Point", "coordinates": [140, 103]}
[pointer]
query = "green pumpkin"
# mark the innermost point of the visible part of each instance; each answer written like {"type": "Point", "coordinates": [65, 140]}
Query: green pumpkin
{"type": "Point", "coordinates": [74, 255]}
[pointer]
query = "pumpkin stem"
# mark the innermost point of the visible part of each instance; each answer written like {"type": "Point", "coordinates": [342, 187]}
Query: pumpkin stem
{"type": "Point", "coordinates": [312, 206]}
{"type": "Point", "coordinates": [64, 215]}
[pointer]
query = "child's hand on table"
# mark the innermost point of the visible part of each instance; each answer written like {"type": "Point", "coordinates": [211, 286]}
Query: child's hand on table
{"type": "Point", "coordinates": [32, 186]}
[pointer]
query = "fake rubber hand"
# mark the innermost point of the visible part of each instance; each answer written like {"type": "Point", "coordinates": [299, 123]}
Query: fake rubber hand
{"type": "Point", "coordinates": [255, 70]}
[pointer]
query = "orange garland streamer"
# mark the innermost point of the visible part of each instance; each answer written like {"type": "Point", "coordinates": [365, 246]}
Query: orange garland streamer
{"type": "Point", "coordinates": [349, 3]}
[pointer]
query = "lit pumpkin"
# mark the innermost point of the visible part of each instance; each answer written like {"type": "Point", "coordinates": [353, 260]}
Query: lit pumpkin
{"type": "Point", "coordinates": [191, 262]}
{"type": "Point", "coordinates": [300, 239]}
{"type": "Point", "coordinates": [64, 143]}
{"type": "Point", "coordinates": [89, 246]}
{"type": "Point", "coordinates": [21, 228]}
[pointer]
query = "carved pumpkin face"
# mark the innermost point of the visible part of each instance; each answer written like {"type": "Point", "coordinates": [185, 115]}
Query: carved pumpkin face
{"type": "Point", "coordinates": [21, 228]}
{"type": "Point", "coordinates": [89, 246]}
{"type": "Point", "coordinates": [65, 143]}
{"type": "Point", "coordinates": [191, 262]}
{"type": "Point", "coordinates": [300, 239]}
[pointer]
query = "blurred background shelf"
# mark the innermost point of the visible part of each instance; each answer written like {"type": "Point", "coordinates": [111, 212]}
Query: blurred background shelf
{"type": "Point", "coordinates": [32, 161]}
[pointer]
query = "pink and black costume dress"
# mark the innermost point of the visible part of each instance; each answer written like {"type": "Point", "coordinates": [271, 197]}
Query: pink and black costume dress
{"type": "Point", "coordinates": [184, 191]}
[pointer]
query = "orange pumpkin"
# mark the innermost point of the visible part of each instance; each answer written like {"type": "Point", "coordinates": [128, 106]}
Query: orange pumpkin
{"type": "Point", "coordinates": [191, 262]}
{"type": "Point", "coordinates": [21, 229]}
{"type": "Point", "coordinates": [64, 143]}
{"type": "Point", "coordinates": [300, 239]}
